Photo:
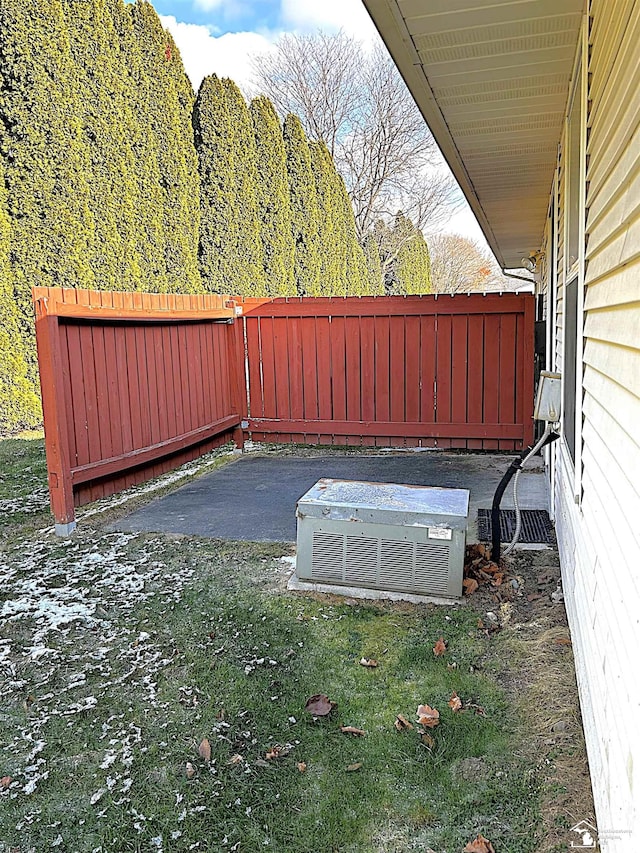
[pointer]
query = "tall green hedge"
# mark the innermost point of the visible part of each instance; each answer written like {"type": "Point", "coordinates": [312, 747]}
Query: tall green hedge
{"type": "Point", "coordinates": [413, 264]}
{"type": "Point", "coordinates": [163, 101]}
{"type": "Point", "coordinates": [247, 263]}
{"type": "Point", "coordinates": [272, 196]}
{"type": "Point", "coordinates": [19, 405]}
{"type": "Point", "coordinates": [304, 209]}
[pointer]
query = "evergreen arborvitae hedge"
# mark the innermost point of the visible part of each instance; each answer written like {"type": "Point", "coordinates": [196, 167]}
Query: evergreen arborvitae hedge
{"type": "Point", "coordinates": [230, 241]}
{"type": "Point", "coordinates": [164, 106]}
{"type": "Point", "coordinates": [19, 405]}
{"type": "Point", "coordinates": [304, 209]}
{"type": "Point", "coordinates": [373, 264]}
{"type": "Point", "coordinates": [249, 269]}
{"type": "Point", "coordinates": [272, 196]}
{"type": "Point", "coordinates": [332, 242]}
{"type": "Point", "coordinates": [413, 264]}
{"type": "Point", "coordinates": [97, 151]}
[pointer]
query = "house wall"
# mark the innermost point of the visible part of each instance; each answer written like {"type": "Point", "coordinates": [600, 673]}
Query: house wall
{"type": "Point", "coordinates": [597, 501]}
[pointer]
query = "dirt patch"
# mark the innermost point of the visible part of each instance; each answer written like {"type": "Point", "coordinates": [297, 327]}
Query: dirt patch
{"type": "Point", "coordinates": [527, 616]}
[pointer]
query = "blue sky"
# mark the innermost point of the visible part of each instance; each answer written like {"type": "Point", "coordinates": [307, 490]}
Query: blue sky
{"type": "Point", "coordinates": [258, 15]}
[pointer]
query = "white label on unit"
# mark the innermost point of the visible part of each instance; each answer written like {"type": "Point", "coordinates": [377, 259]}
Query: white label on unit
{"type": "Point", "coordinates": [440, 533]}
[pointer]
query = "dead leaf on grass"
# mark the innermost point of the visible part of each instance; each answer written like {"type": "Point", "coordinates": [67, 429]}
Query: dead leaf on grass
{"type": "Point", "coordinates": [401, 723]}
{"type": "Point", "coordinates": [352, 768]}
{"type": "Point", "coordinates": [440, 647]}
{"type": "Point", "coordinates": [480, 844]}
{"type": "Point", "coordinates": [368, 662]}
{"type": "Point", "coordinates": [455, 703]}
{"type": "Point", "coordinates": [301, 765]}
{"type": "Point", "coordinates": [204, 750]}
{"type": "Point", "coordinates": [273, 752]}
{"type": "Point", "coordinates": [427, 740]}
{"type": "Point", "coordinates": [189, 770]}
{"type": "Point", "coordinates": [320, 705]}
{"type": "Point", "coordinates": [562, 641]}
{"type": "Point", "coordinates": [235, 759]}
{"type": "Point", "coordinates": [470, 586]}
{"type": "Point", "coordinates": [5, 782]}
{"type": "Point", "coordinates": [352, 730]}
{"type": "Point", "coordinates": [428, 716]}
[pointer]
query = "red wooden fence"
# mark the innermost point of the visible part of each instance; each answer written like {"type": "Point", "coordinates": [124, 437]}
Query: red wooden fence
{"type": "Point", "coordinates": [453, 372]}
{"type": "Point", "coordinates": [136, 384]}
{"type": "Point", "coordinates": [132, 385]}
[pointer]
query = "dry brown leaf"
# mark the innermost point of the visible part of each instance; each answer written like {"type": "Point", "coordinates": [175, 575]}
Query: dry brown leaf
{"type": "Point", "coordinates": [320, 705]}
{"type": "Point", "coordinates": [402, 723]}
{"type": "Point", "coordinates": [480, 844]}
{"type": "Point", "coordinates": [5, 782]}
{"type": "Point", "coordinates": [352, 730]}
{"type": "Point", "coordinates": [428, 716]}
{"type": "Point", "coordinates": [562, 641]}
{"type": "Point", "coordinates": [273, 752]}
{"type": "Point", "coordinates": [353, 767]}
{"type": "Point", "coordinates": [301, 766]}
{"type": "Point", "coordinates": [470, 586]}
{"type": "Point", "coordinates": [440, 647]}
{"type": "Point", "coordinates": [497, 579]}
{"type": "Point", "coordinates": [189, 770]}
{"type": "Point", "coordinates": [235, 759]}
{"type": "Point", "coordinates": [370, 662]}
{"type": "Point", "coordinates": [427, 740]}
{"type": "Point", "coordinates": [455, 703]}
{"type": "Point", "coordinates": [204, 750]}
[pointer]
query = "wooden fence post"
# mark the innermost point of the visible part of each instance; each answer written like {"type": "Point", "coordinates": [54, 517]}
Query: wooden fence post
{"type": "Point", "coordinates": [55, 419]}
{"type": "Point", "coordinates": [236, 360]}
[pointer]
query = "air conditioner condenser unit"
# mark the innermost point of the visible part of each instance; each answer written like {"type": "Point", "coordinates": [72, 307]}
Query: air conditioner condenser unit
{"type": "Point", "coordinates": [383, 536]}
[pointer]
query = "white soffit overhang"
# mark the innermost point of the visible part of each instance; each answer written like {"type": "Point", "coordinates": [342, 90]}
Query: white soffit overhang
{"type": "Point", "coordinates": [491, 78]}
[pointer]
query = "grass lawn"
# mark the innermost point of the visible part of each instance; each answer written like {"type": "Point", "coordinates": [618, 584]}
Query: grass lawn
{"type": "Point", "coordinates": [154, 691]}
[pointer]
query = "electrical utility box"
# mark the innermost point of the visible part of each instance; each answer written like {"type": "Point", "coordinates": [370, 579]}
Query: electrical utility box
{"type": "Point", "coordinates": [383, 536]}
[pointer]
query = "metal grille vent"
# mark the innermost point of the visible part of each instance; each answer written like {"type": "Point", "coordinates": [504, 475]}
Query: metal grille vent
{"type": "Point", "coordinates": [392, 564]}
{"type": "Point", "coordinates": [537, 528]}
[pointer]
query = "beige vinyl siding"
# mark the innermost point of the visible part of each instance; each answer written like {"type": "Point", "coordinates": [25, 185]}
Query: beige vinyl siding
{"type": "Point", "coordinates": [599, 538]}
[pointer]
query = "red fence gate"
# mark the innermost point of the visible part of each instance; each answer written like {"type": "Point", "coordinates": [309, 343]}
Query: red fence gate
{"type": "Point", "coordinates": [136, 384]}
{"type": "Point", "coordinates": [453, 372]}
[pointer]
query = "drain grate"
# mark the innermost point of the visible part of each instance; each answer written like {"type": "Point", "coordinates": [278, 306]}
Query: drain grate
{"type": "Point", "coordinates": [536, 526]}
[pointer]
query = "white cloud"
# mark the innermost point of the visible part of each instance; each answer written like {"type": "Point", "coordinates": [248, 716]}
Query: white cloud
{"type": "Point", "coordinates": [204, 53]}
{"type": "Point", "coordinates": [310, 15]}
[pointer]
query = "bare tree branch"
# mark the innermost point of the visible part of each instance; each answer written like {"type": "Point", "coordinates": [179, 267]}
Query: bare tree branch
{"type": "Point", "coordinates": [358, 104]}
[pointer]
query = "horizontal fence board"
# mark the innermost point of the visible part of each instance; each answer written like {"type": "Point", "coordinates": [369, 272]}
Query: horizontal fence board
{"type": "Point", "coordinates": [386, 306]}
{"type": "Point", "coordinates": [135, 458]}
{"type": "Point", "coordinates": [392, 429]}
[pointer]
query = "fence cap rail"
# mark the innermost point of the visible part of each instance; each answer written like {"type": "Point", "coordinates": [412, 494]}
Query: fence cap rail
{"type": "Point", "coordinates": [131, 306]}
